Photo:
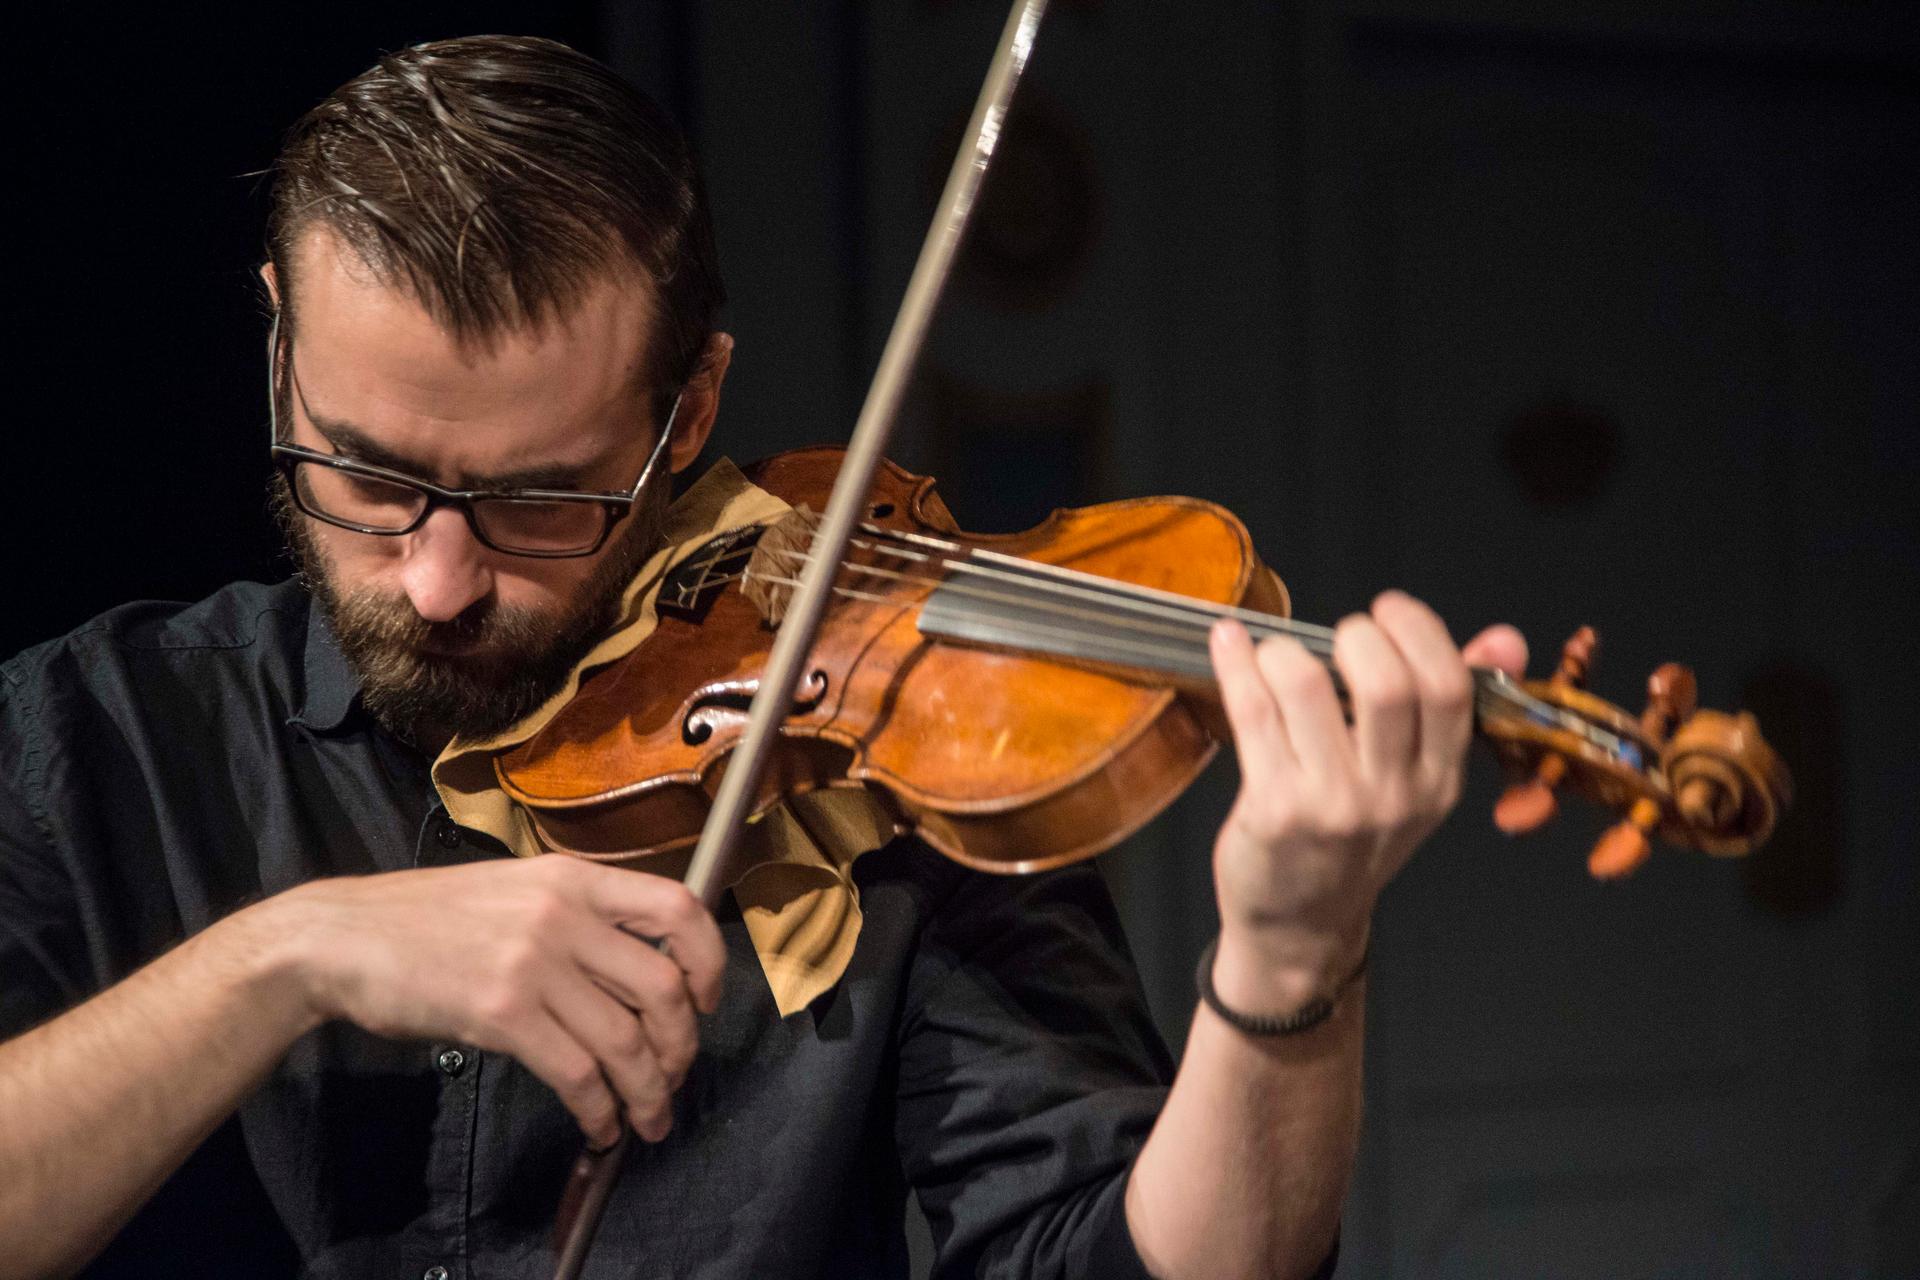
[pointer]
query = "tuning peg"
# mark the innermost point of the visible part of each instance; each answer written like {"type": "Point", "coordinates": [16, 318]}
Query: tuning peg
{"type": "Point", "coordinates": [1672, 696]}
{"type": "Point", "coordinates": [1576, 658]}
{"type": "Point", "coordinates": [1529, 805]}
{"type": "Point", "coordinates": [1626, 844]}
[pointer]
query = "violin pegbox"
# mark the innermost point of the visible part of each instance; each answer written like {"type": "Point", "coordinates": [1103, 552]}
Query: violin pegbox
{"type": "Point", "coordinates": [1704, 780]}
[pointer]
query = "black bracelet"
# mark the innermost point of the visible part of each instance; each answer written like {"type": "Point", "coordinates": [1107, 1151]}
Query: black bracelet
{"type": "Point", "coordinates": [1308, 1016]}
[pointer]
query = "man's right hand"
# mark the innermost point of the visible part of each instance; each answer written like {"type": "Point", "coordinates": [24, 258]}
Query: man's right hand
{"type": "Point", "coordinates": [541, 958]}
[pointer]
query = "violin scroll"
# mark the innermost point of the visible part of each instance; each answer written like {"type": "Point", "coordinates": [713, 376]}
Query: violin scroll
{"type": "Point", "coordinates": [1698, 778]}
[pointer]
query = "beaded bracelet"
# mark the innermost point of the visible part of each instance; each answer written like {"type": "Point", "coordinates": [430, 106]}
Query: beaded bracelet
{"type": "Point", "coordinates": [1309, 1015]}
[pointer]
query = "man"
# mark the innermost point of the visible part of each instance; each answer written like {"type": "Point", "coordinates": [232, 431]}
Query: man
{"type": "Point", "coordinates": [271, 1010]}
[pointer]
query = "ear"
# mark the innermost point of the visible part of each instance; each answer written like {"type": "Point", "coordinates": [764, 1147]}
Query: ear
{"type": "Point", "coordinates": [270, 276]}
{"type": "Point", "coordinates": [700, 402]}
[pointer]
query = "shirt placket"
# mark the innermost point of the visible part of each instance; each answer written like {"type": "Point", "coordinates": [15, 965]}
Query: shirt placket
{"type": "Point", "coordinates": [449, 1169]}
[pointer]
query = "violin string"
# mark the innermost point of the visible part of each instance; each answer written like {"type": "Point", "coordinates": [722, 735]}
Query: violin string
{"type": "Point", "coordinates": [1145, 600]}
{"type": "Point", "coordinates": [1134, 593]}
{"type": "Point", "coordinates": [1491, 687]}
{"type": "Point", "coordinates": [1191, 630]}
{"type": "Point", "coordinates": [1030, 627]}
{"type": "Point", "coordinates": [1489, 682]}
{"type": "Point", "coordinates": [1106, 591]}
{"type": "Point", "coordinates": [1025, 633]}
{"type": "Point", "coordinates": [1262, 622]}
{"type": "Point", "coordinates": [958, 558]}
{"type": "Point", "coordinates": [1494, 691]}
{"type": "Point", "coordinates": [1183, 641]}
{"type": "Point", "coordinates": [850, 593]}
{"type": "Point", "coordinates": [998, 597]}
{"type": "Point", "coordinates": [1184, 630]}
{"type": "Point", "coordinates": [1144, 646]}
{"type": "Point", "coordinates": [1180, 619]}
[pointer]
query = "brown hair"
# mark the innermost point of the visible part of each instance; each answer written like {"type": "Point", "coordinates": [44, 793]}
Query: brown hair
{"type": "Point", "coordinates": [496, 178]}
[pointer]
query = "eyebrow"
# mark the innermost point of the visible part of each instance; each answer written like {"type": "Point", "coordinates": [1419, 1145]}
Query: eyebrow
{"type": "Point", "coordinates": [353, 443]}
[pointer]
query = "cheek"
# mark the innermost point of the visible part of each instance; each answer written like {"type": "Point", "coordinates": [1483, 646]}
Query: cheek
{"type": "Point", "coordinates": [352, 561]}
{"type": "Point", "coordinates": [546, 587]}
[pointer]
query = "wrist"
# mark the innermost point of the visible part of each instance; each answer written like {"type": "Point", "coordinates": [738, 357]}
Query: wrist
{"type": "Point", "coordinates": [279, 958]}
{"type": "Point", "coordinates": [1275, 971]}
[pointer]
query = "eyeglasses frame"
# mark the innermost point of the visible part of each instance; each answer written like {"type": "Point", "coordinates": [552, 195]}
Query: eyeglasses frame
{"type": "Point", "coordinates": [288, 457]}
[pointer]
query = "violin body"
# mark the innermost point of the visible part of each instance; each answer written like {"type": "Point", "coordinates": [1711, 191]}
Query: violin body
{"type": "Point", "coordinates": [1002, 760]}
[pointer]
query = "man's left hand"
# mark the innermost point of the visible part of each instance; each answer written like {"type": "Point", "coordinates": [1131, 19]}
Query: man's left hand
{"type": "Point", "coordinates": [1329, 811]}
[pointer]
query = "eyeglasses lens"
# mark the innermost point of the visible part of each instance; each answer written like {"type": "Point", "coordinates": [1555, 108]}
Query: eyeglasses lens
{"type": "Point", "coordinates": [366, 502]}
{"type": "Point", "coordinates": [529, 526]}
{"type": "Point", "coordinates": [519, 524]}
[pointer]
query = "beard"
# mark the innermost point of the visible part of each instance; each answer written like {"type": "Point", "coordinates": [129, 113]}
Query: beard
{"type": "Point", "coordinates": [482, 672]}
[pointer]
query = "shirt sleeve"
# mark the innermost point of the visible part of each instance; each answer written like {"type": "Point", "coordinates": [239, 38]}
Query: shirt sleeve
{"type": "Point", "coordinates": [42, 956]}
{"type": "Point", "coordinates": [1030, 1076]}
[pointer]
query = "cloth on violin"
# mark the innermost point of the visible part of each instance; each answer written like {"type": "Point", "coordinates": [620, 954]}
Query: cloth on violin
{"type": "Point", "coordinates": [793, 884]}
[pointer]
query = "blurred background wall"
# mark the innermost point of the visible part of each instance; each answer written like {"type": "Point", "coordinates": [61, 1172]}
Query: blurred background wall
{"type": "Point", "coordinates": [1550, 313]}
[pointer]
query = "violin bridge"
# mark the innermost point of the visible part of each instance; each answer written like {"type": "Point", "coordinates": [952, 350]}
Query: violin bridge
{"type": "Point", "coordinates": [778, 556]}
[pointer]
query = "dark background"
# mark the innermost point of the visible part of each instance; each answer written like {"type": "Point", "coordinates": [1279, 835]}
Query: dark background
{"type": "Point", "coordinates": [1546, 313]}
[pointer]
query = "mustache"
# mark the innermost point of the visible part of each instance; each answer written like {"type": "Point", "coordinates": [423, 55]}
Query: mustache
{"type": "Point", "coordinates": [391, 623]}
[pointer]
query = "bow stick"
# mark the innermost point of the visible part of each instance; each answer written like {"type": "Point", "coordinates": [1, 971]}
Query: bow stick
{"type": "Point", "coordinates": [594, 1174]}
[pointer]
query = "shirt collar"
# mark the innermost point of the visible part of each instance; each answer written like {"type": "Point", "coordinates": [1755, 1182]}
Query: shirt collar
{"type": "Point", "coordinates": [332, 688]}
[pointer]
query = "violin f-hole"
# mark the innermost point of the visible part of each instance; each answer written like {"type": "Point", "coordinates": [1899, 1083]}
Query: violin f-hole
{"type": "Point", "coordinates": [732, 702]}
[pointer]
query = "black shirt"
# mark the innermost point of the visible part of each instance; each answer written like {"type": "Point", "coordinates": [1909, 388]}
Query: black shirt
{"type": "Point", "coordinates": [988, 1044]}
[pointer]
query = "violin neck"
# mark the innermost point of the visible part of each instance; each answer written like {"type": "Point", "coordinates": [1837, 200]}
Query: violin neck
{"type": "Point", "coordinates": [1043, 610]}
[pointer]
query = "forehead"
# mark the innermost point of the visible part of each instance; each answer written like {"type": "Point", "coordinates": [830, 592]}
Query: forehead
{"type": "Point", "coordinates": [567, 391]}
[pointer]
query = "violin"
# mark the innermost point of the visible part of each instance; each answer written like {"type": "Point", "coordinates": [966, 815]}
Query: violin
{"type": "Point", "coordinates": [1021, 701]}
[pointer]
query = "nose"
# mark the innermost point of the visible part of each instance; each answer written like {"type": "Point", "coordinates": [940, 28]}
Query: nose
{"type": "Point", "coordinates": [445, 569]}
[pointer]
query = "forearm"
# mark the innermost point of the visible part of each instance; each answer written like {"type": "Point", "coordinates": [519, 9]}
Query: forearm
{"type": "Point", "coordinates": [1247, 1167]}
{"type": "Point", "coordinates": [100, 1105]}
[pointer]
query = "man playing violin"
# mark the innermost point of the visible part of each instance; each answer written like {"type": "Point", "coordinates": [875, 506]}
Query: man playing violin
{"type": "Point", "coordinates": [267, 1006]}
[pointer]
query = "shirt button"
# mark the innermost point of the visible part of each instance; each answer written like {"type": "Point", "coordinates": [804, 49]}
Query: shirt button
{"type": "Point", "coordinates": [434, 1273]}
{"type": "Point", "coordinates": [449, 836]}
{"type": "Point", "coordinates": [451, 1062]}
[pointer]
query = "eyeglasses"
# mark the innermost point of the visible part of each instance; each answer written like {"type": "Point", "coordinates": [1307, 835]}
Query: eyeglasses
{"type": "Point", "coordinates": [545, 523]}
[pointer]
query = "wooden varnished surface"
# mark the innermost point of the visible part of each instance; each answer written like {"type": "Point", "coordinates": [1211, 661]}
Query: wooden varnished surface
{"type": "Point", "coordinates": [1003, 760]}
